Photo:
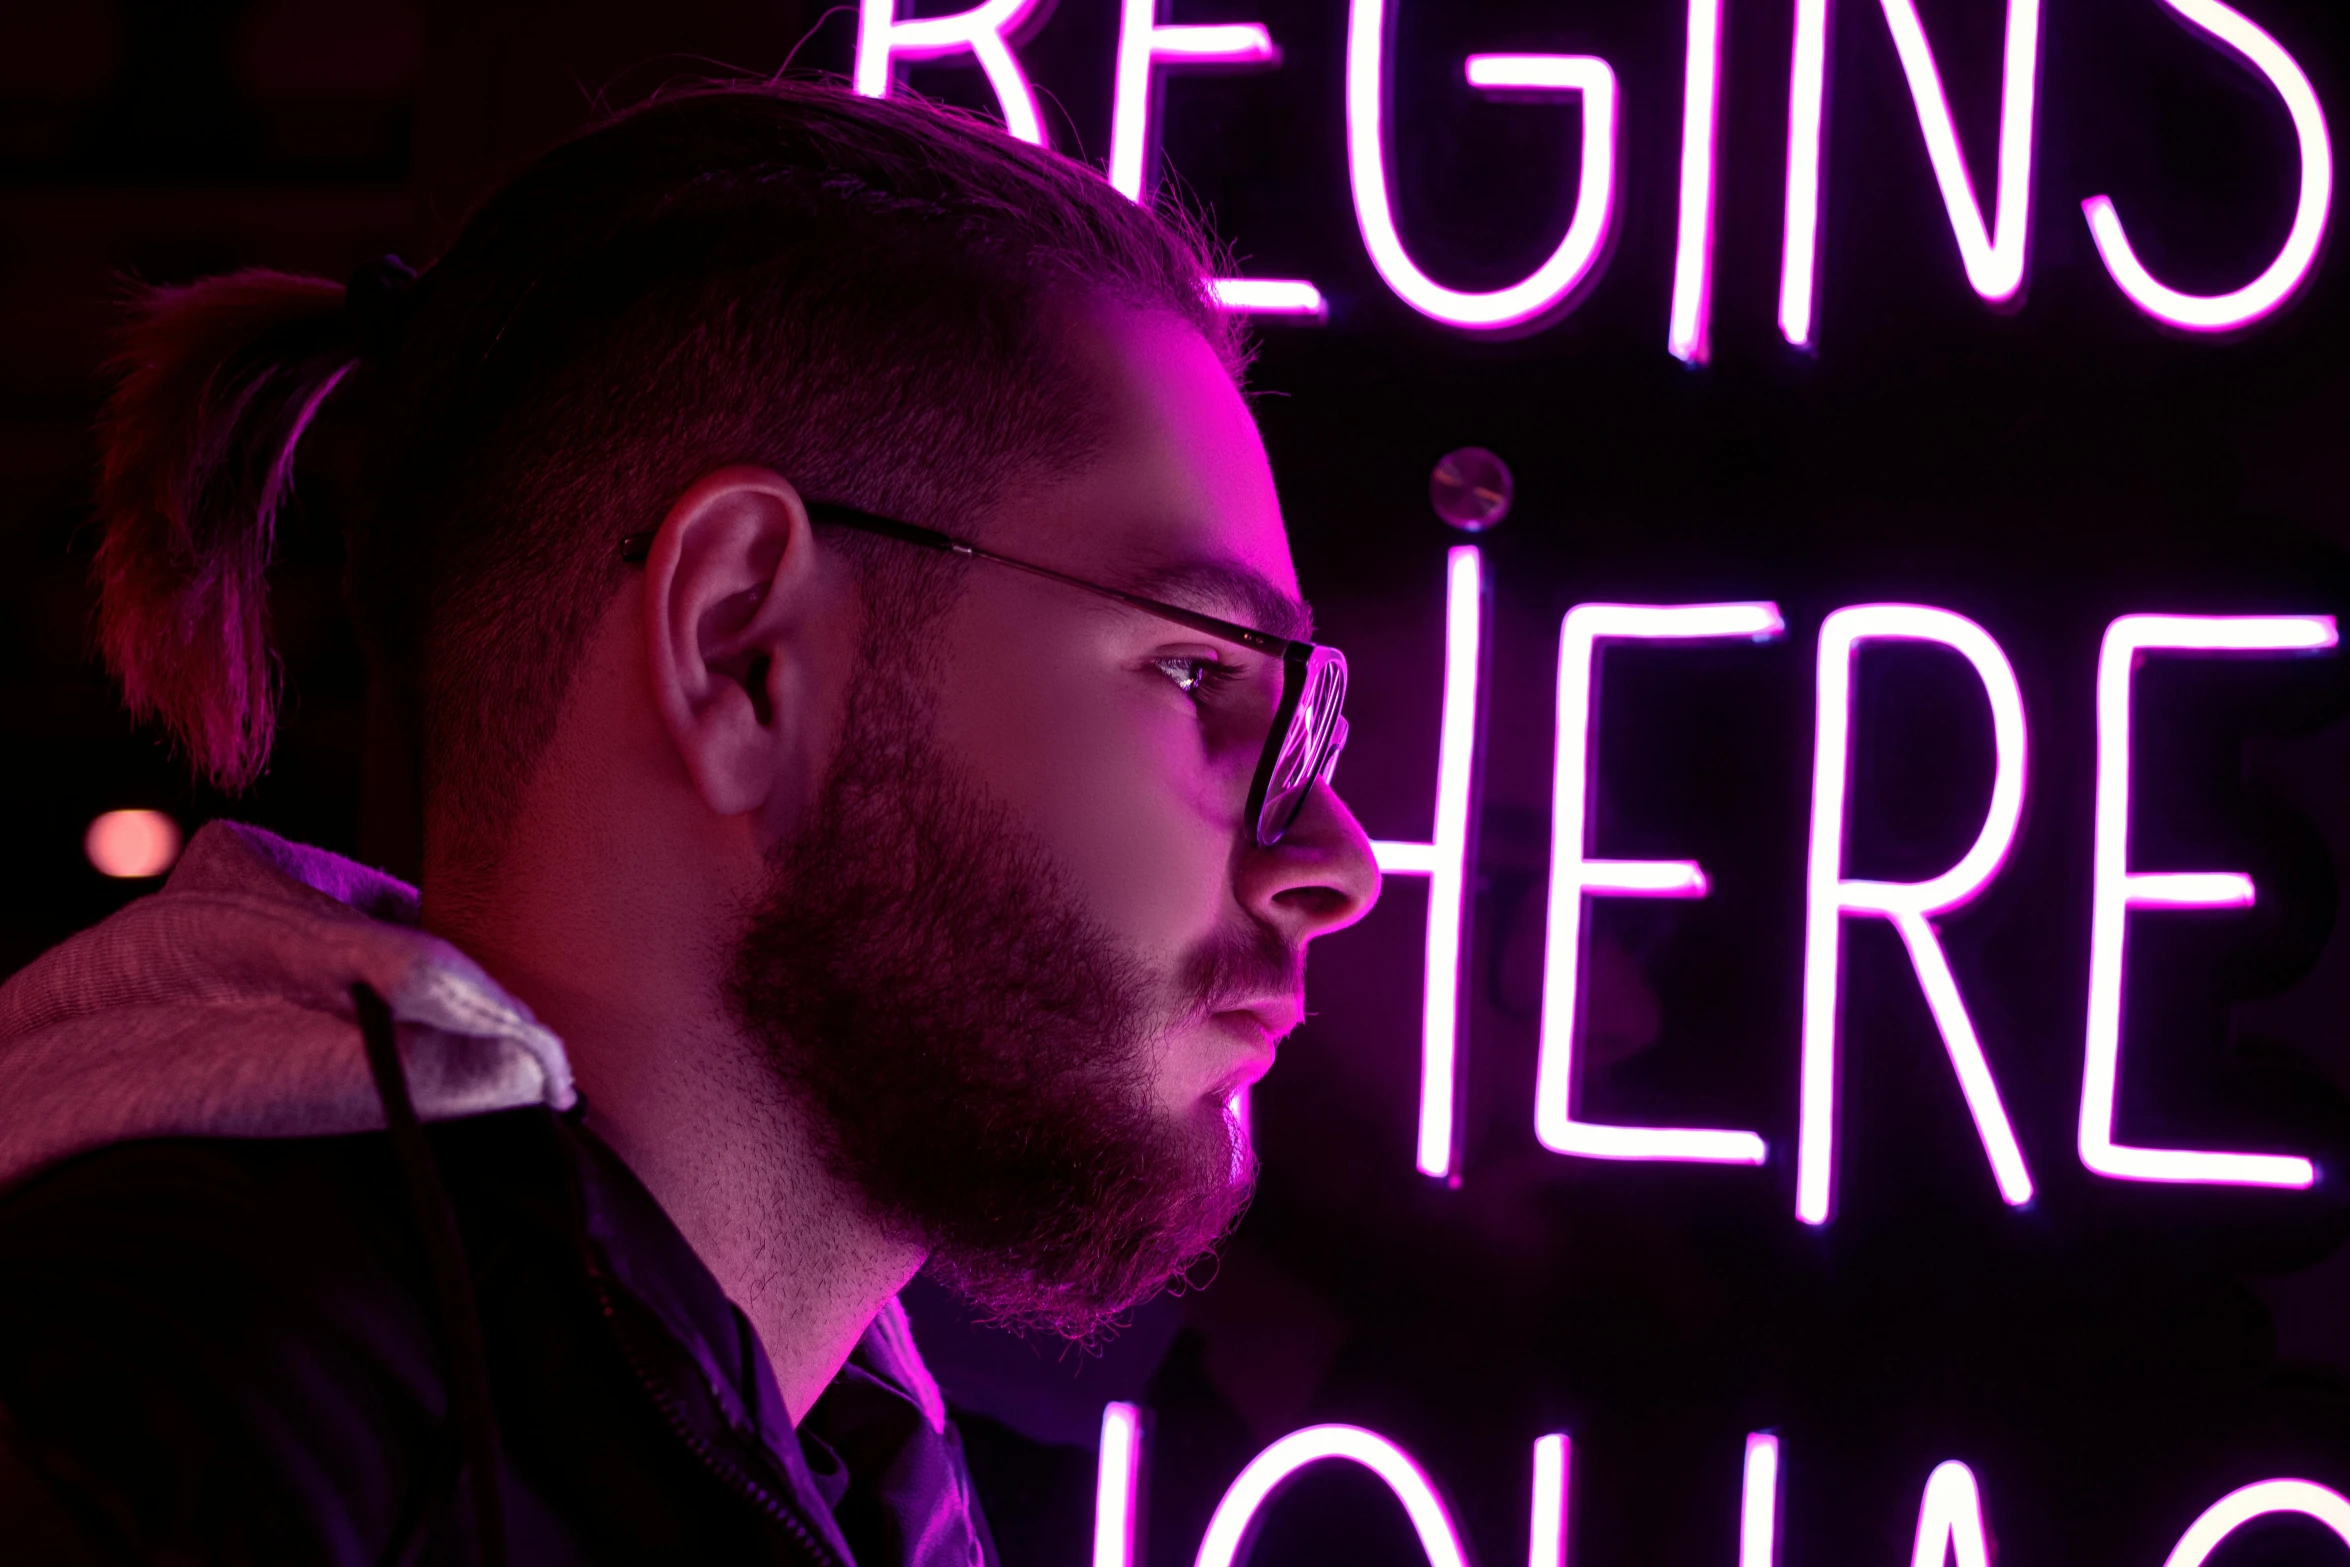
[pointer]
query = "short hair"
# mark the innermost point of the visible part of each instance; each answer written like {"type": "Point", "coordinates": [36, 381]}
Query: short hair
{"type": "Point", "coordinates": [864, 295]}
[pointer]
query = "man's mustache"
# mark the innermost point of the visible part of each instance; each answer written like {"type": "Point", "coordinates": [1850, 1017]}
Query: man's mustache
{"type": "Point", "coordinates": [1239, 967]}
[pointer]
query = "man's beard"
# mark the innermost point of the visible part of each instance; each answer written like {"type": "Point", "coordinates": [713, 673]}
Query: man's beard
{"type": "Point", "coordinates": [970, 1050]}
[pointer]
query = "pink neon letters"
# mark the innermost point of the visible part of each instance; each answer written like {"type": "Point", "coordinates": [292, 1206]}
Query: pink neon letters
{"type": "Point", "coordinates": [983, 32]}
{"type": "Point", "coordinates": [1276, 1465]}
{"type": "Point", "coordinates": [1807, 118]}
{"type": "Point", "coordinates": [1993, 253]}
{"type": "Point", "coordinates": [1758, 1503]}
{"type": "Point", "coordinates": [1270, 296]}
{"type": "Point", "coordinates": [1950, 1521]}
{"type": "Point", "coordinates": [2220, 312]}
{"type": "Point", "coordinates": [1547, 1536]}
{"type": "Point", "coordinates": [1831, 897]}
{"type": "Point", "coordinates": [1908, 905]}
{"type": "Point", "coordinates": [1117, 1482]}
{"type": "Point", "coordinates": [1366, 160]}
{"type": "Point", "coordinates": [2238, 1508]}
{"type": "Point", "coordinates": [1145, 43]}
{"type": "Point", "coordinates": [1951, 1531]}
{"type": "Point", "coordinates": [1690, 336]}
{"type": "Point", "coordinates": [1574, 876]}
{"type": "Point", "coordinates": [1993, 243]}
{"type": "Point", "coordinates": [2116, 889]}
{"type": "Point", "coordinates": [1442, 860]}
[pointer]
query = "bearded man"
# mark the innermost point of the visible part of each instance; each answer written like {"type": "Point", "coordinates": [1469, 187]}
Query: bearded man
{"type": "Point", "coordinates": [873, 776]}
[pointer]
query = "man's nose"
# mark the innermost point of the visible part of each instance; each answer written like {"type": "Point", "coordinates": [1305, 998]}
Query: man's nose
{"type": "Point", "coordinates": [1319, 878]}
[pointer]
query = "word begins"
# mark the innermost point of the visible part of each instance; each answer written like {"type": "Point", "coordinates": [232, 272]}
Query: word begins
{"type": "Point", "coordinates": [1993, 247]}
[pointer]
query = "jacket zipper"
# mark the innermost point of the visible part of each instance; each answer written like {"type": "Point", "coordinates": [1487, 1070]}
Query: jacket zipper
{"type": "Point", "coordinates": [742, 1484]}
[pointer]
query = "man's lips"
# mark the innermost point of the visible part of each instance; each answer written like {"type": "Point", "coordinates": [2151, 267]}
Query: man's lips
{"type": "Point", "coordinates": [1261, 1024]}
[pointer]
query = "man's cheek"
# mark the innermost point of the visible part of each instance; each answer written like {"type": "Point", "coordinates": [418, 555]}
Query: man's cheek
{"type": "Point", "coordinates": [1153, 870]}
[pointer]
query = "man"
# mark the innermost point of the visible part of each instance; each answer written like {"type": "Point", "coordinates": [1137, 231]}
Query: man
{"type": "Point", "coordinates": [836, 599]}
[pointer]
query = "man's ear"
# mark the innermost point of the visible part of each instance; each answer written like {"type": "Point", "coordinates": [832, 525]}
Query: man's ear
{"type": "Point", "coordinates": [741, 627]}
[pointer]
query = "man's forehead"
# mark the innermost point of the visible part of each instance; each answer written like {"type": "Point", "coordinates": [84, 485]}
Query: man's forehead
{"type": "Point", "coordinates": [1222, 587]}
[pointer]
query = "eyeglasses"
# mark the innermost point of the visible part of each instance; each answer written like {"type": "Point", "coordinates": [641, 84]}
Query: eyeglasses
{"type": "Point", "coordinates": [1309, 724]}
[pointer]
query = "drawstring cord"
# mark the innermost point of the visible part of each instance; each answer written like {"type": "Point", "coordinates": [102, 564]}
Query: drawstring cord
{"type": "Point", "coordinates": [469, 1372]}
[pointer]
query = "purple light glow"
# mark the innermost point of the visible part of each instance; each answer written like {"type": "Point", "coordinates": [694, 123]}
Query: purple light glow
{"type": "Point", "coordinates": [1443, 861]}
{"type": "Point", "coordinates": [1145, 43]}
{"type": "Point", "coordinates": [1270, 296]}
{"type": "Point", "coordinates": [1994, 252]}
{"type": "Point", "coordinates": [1547, 1536]}
{"type": "Point", "coordinates": [1366, 143]}
{"type": "Point", "coordinates": [1228, 1529]}
{"type": "Point", "coordinates": [1116, 1484]}
{"type": "Point", "coordinates": [2239, 1507]}
{"type": "Point", "coordinates": [1950, 1521]}
{"type": "Point", "coordinates": [1575, 877]}
{"type": "Point", "coordinates": [1907, 905]}
{"type": "Point", "coordinates": [1758, 1503]}
{"type": "Point", "coordinates": [1807, 113]}
{"type": "Point", "coordinates": [983, 32]}
{"type": "Point", "coordinates": [1690, 336]}
{"type": "Point", "coordinates": [2223, 312]}
{"type": "Point", "coordinates": [2115, 889]}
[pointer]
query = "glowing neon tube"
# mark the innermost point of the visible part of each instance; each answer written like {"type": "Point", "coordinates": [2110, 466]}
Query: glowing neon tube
{"type": "Point", "coordinates": [1117, 1483]}
{"type": "Point", "coordinates": [1549, 284]}
{"type": "Point", "coordinates": [1444, 861]}
{"type": "Point", "coordinates": [1994, 253]}
{"type": "Point", "coordinates": [1950, 1521]}
{"type": "Point", "coordinates": [1690, 335]}
{"type": "Point", "coordinates": [1270, 1470]}
{"type": "Point", "coordinates": [2294, 261]}
{"type": "Point", "coordinates": [1547, 1534]}
{"type": "Point", "coordinates": [984, 32]}
{"type": "Point", "coordinates": [1758, 1503]}
{"type": "Point", "coordinates": [2115, 889]}
{"type": "Point", "coordinates": [1575, 877]}
{"type": "Point", "coordinates": [1908, 906]}
{"type": "Point", "coordinates": [2259, 1500]}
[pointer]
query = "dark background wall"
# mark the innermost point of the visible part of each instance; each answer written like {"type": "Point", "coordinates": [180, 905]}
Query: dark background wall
{"type": "Point", "coordinates": [2110, 1360]}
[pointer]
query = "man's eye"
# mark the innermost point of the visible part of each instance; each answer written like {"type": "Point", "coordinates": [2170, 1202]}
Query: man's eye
{"type": "Point", "coordinates": [1193, 676]}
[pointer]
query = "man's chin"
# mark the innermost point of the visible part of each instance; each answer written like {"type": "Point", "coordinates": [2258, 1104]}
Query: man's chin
{"type": "Point", "coordinates": [1080, 1284]}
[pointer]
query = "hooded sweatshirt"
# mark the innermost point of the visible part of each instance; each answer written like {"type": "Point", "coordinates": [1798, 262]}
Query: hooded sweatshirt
{"type": "Point", "coordinates": [218, 1328]}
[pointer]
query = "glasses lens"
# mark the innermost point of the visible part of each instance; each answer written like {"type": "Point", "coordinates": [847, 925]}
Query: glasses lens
{"type": "Point", "coordinates": [1310, 746]}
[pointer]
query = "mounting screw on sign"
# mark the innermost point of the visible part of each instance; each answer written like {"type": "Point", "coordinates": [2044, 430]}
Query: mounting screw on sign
{"type": "Point", "coordinates": [1471, 489]}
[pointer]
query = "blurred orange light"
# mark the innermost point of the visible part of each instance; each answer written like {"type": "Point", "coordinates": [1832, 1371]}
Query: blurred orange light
{"type": "Point", "coordinates": [132, 844]}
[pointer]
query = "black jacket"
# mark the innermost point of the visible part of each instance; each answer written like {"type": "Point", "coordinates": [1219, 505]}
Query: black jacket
{"type": "Point", "coordinates": [227, 1349]}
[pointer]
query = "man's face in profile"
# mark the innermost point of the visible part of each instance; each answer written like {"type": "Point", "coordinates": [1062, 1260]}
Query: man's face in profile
{"type": "Point", "coordinates": [1025, 951]}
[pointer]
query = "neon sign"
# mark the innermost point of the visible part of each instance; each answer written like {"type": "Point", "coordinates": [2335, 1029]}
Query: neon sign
{"type": "Point", "coordinates": [1910, 906]}
{"type": "Point", "coordinates": [1992, 237]}
{"type": "Point", "coordinates": [2118, 889]}
{"type": "Point", "coordinates": [1831, 898]}
{"type": "Point", "coordinates": [1993, 253]}
{"type": "Point", "coordinates": [1951, 1528]}
{"type": "Point", "coordinates": [1444, 861]}
{"type": "Point", "coordinates": [1574, 876]}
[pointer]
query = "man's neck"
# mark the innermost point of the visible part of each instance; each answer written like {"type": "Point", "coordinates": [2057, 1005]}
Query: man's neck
{"type": "Point", "coordinates": [677, 1091]}
{"type": "Point", "coordinates": [728, 1160]}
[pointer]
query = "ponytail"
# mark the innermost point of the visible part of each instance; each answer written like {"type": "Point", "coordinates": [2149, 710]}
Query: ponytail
{"type": "Point", "coordinates": [218, 381]}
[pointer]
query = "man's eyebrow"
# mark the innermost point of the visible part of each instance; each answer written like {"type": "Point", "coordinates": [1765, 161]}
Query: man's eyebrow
{"type": "Point", "coordinates": [1230, 591]}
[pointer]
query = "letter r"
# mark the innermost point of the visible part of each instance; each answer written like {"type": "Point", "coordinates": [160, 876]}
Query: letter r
{"type": "Point", "coordinates": [984, 32]}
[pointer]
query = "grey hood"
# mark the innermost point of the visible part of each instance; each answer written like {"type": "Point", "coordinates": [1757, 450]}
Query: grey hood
{"type": "Point", "coordinates": [221, 1006]}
